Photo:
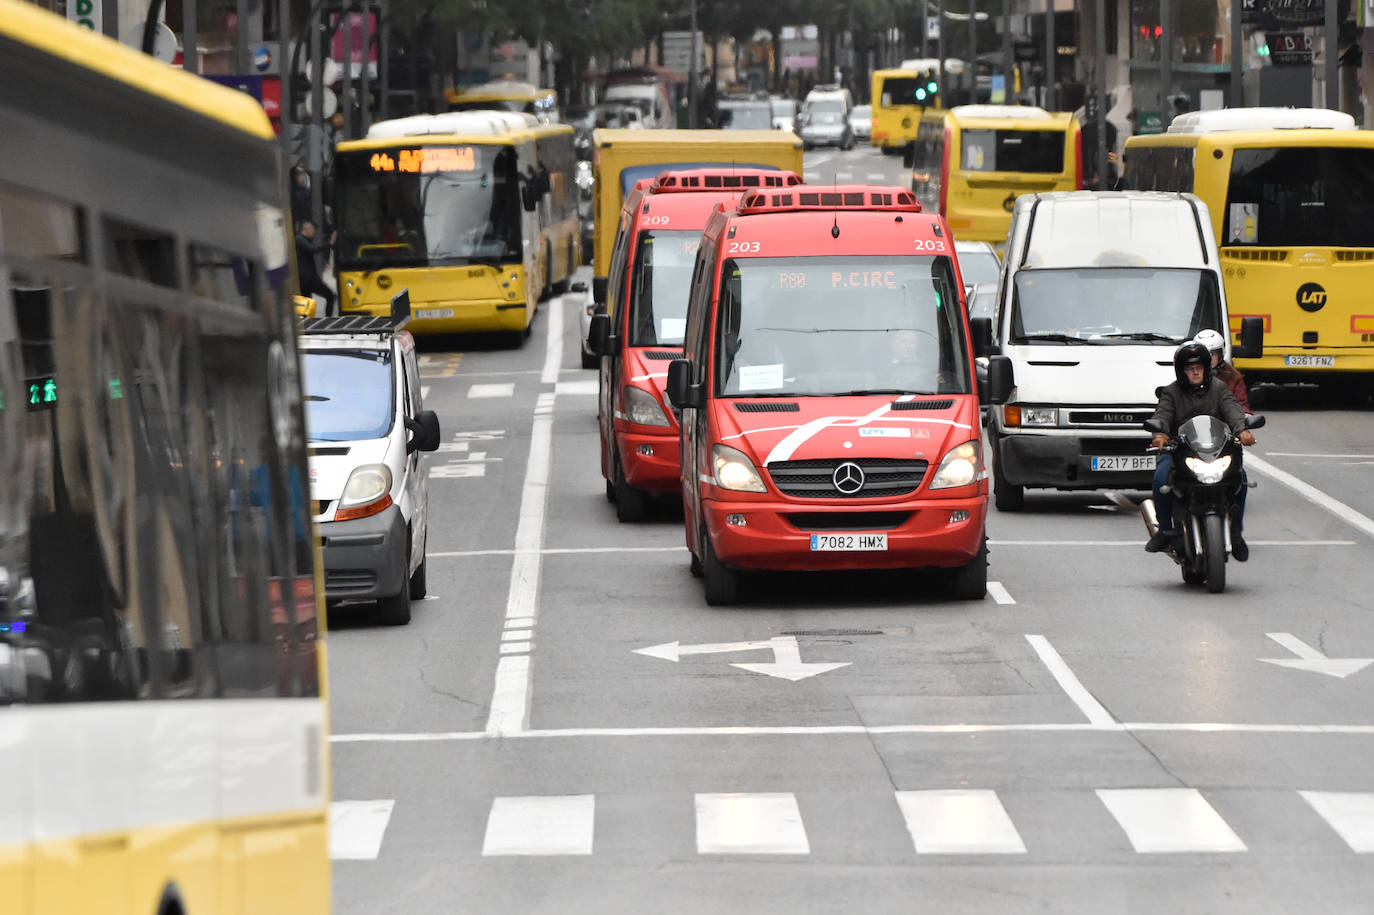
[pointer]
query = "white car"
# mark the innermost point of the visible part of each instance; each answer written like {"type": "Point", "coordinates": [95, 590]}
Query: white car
{"type": "Point", "coordinates": [861, 122]}
{"type": "Point", "coordinates": [586, 307]}
{"type": "Point", "coordinates": [368, 428]}
{"type": "Point", "coordinates": [978, 263]}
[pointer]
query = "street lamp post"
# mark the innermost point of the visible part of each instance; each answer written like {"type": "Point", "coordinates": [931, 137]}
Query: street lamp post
{"type": "Point", "coordinates": [971, 67]}
{"type": "Point", "coordinates": [692, 71]}
{"type": "Point", "coordinates": [1051, 55]}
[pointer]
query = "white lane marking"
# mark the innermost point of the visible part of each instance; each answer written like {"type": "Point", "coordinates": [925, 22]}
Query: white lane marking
{"type": "Point", "coordinates": [515, 648]}
{"type": "Point", "coordinates": [1314, 495]}
{"type": "Point", "coordinates": [1350, 813]}
{"type": "Point", "coordinates": [500, 389]}
{"type": "Point", "coordinates": [540, 825]}
{"type": "Point", "coordinates": [1121, 500]}
{"type": "Point", "coordinates": [500, 374]}
{"type": "Point", "coordinates": [877, 178]}
{"type": "Point", "coordinates": [959, 822]}
{"type": "Point", "coordinates": [581, 387]}
{"type": "Point", "coordinates": [999, 593]}
{"type": "Point", "coordinates": [424, 392]}
{"type": "Point", "coordinates": [461, 554]}
{"type": "Point", "coordinates": [553, 344]}
{"type": "Point", "coordinates": [520, 622]}
{"type": "Point", "coordinates": [356, 829]}
{"type": "Point", "coordinates": [1307, 454]}
{"type": "Point", "coordinates": [1068, 682]}
{"type": "Point", "coordinates": [1312, 660]}
{"type": "Point", "coordinates": [1137, 543]}
{"type": "Point", "coordinates": [858, 730]}
{"type": "Point", "coordinates": [516, 635]}
{"type": "Point", "coordinates": [1160, 820]}
{"type": "Point", "coordinates": [750, 824]}
{"type": "Point", "coordinates": [510, 701]}
{"type": "Point", "coordinates": [818, 160]}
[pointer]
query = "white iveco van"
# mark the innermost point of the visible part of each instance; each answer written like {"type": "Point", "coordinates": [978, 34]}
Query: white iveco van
{"type": "Point", "coordinates": [1097, 290]}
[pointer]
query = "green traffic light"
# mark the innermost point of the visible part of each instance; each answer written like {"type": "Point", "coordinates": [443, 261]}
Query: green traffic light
{"type": "Point", "coordinates": [933, 86]}
{"type": "Point", "coordinates": [920, 95]}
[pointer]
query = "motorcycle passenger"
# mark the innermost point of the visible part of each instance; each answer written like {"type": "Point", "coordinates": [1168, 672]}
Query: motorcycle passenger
{"type": "Point", "coordinates": [1225, 372]}
{"type": "Point", "coordinates": [1194, 393]}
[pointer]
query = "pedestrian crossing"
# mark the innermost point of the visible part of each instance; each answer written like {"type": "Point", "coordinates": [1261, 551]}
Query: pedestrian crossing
{"type": "Point", "coordinates": [960, 822]}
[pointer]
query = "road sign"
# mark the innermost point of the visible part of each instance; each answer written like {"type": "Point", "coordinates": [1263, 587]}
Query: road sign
{"type": "Point", "coordinates": [1312, 660]}
{"type": "Point", "coordinates": [787, 663]}
{"type": "Point", "coordinates": [1151, 122]}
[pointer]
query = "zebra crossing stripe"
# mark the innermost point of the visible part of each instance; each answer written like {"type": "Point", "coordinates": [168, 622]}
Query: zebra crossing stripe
{"type": "Point", "coordinates": [1169, 820]}
{"type": "Point", "coordinates": [558, 825]}
{"type": "Point", "coordinates": [750, 824]}
{"type": "Point", "coordinates": [356, 829]}
{"type": "Point", "coordinates": [959, 822]}
{"type": "Point", "coordinates": [1351, 814]}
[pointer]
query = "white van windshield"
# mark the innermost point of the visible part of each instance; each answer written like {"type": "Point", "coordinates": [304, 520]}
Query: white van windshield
{"type": "Point", "coordinates": [349, 395]}
{"type": "Point", "coordinates": [1113, 305]}
{"type": "Point", "coordinates": [789, 326]}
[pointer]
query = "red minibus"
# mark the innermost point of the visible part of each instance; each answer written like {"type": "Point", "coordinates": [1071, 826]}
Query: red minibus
{"type": "Point", "coordinates": [830, 407]}
{"type": "Point", "coordinates": [645, 314]}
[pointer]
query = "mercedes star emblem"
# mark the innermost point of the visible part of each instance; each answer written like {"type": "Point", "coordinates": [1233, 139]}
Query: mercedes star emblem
{"type": "Point", "coordinates": [848, 478]}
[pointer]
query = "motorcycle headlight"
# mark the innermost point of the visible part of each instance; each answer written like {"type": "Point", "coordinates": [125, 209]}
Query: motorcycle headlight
{"type": "Point", "coordinates": [642, 408]}
{"type": "Point", "coordinates": [1209, 471]}
{"type": "Point", "coordinates": [961, 466]}
{"type": "Point", "coordinates": [735, 471]}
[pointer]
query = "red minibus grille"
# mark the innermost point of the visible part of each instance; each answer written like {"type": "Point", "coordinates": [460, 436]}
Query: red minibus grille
{"type": "Point", "coordinates": [882, 477]}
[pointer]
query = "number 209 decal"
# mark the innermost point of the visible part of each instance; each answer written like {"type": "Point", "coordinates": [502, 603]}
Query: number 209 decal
{"type": "Point", "coordinates": [743, 247]}
{"type": "Point", "coordinates": [930, 244]}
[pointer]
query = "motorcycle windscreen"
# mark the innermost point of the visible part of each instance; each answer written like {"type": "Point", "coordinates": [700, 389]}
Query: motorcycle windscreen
{"type": "Point", "coordinates": [1205, 435]}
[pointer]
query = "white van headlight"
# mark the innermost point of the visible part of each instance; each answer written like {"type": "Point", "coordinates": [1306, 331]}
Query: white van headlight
{"type": "Point", "coordinates": [961, 465]}
{"type": "Point", "coordinates": [367, 492]}
{"type": "Point", "coordinates": [642, 408]}
{"type": "Point", "coordinates": [735, 471]}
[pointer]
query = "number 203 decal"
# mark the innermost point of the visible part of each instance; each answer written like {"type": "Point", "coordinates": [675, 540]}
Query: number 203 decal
{"type": "Point", "coordinates": [930, 244]}
{"type": "Point", "coordinates": [743, 247]}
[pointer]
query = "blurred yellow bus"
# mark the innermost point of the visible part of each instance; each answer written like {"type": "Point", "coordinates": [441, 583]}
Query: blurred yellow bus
{"type": "Point", "coordinates": [162, 691]}
{"type": "Point", "coordinates": [620, 158]}
{"type": "Point", "coordinates": [971, 162]}
{"type": "Point", "coordinates": [1291, 193]}
{"type": "Point", "coordinates": [454, 207]}
{"type": "Point", "coordinates": [899, 98]}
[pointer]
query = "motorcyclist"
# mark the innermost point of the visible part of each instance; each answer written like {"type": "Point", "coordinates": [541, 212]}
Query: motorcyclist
{"type": "Point", "coordinates": [1224, 371]}
{"type": "Point", "coordinates": [1194, 393]}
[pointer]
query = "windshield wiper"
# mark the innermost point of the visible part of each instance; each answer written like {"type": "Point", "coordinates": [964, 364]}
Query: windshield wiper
{"type": "Point", "coordinates": [1149, 335]}
{"type": "Point", "coordinates": [317, 398]}
{"type": "Point", "coordinates": [859, 392]}
{"type": "Point", "coordinates": [1052, 338]}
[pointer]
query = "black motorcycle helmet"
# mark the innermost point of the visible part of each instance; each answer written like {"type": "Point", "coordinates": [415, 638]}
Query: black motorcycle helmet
{"type": "Point", "coordinates": [1193, 353]}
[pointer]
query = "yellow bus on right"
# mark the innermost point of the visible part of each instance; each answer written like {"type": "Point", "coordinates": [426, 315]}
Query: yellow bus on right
{"type": "Point", "coordinates": [1291, 196]}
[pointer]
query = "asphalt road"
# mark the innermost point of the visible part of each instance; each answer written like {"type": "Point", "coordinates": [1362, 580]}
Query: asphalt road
{"type": "Point", "coordinates": [1094, 736]}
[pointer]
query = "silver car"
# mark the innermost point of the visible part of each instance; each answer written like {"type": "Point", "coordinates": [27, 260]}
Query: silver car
{"type": "Point", "coordinates": [825, 123]}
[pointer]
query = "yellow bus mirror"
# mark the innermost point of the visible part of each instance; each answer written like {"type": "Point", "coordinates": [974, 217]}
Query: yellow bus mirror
{"type": "Point", "coordinates": [305, 306]}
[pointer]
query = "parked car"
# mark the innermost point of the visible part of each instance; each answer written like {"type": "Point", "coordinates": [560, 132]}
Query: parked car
{"type": "Point", "coordinates": [861, 122]}
{"type": "Point", "coordinates": [824, 119]}
{"type": "Point", "coordinates": [744, 114]}
{"type": "Point", "coordinates": [368, 479]}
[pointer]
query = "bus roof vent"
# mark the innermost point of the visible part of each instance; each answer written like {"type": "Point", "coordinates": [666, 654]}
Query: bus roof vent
{"type": "Point", "coordinates": [1261, 119]}
{"type": "Point", "coordinates": [706, 179]}
{"type": "Point", "coordinates": [480, 123]}
{"type": "Point", "coordinates": [851, 197]}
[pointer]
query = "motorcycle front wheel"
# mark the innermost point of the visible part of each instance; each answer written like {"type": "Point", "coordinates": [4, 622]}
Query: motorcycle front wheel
{"type": "Point", "coordinates": [1214, 547]}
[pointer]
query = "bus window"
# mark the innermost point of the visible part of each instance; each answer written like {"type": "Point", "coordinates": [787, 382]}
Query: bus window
{"type": "Point", "coordinates": [1301, 196]}
{"type": "Point", "coordinates": [221, 276]}
{"type": "Point", "coordinates": [140, 253]}
{"type": "Point", "coordinates": [1013, 151]}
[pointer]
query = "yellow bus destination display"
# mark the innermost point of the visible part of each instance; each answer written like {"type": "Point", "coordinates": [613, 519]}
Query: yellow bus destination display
{"type": "Point", "coordinates": [426, 160]}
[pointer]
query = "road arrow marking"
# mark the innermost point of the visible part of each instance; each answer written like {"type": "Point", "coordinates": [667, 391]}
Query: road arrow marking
{"type": "Point", "coordinates": [1310, 659]}
{"type": "Point", "coordinates": [787, 663]}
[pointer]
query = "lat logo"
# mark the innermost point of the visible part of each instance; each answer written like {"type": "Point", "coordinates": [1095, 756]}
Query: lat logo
{"type": "Point", "coordinates": [1311, 297]}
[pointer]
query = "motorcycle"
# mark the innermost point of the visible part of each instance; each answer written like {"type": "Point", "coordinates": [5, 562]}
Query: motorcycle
{"type": "Point", "coordinates": [1205, 485]}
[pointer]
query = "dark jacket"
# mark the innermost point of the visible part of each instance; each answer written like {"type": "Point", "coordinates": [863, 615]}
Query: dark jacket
{"type": "Point", "coordinates": [308, 270]}
{"type": "Point", "coordinates": [1178, 404]}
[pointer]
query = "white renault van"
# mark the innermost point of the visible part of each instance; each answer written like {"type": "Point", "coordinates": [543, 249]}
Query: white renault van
{"type": "Point", "coordinates": [368, 429]}
{"type": "Point", "coordinates": [1097, 290]}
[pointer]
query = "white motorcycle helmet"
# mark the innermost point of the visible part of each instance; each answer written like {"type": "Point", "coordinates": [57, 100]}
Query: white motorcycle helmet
{"type": "Point", "coordinates": [1214, 341]}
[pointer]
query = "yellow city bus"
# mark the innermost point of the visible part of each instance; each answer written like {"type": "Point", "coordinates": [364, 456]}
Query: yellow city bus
{"type": "Point", "coordinates": [620, 158]}
{"type": "Point", "coordinates": [448, 206]}
{"type": "Point", "coordinates": [162, 690]}
{"type": "Point", "coordinates": [559, 227]}
{"type": "Point", "coordinates": [1291, 193]}
{"type": "Point", "coordinates": [505, 95]}
{"type": "Point", "coordinates": [899, 98]}
{"type": "Point", "coordinates": [971, 162]}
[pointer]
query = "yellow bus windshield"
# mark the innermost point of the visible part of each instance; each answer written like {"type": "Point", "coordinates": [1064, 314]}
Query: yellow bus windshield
{"type": "Point", "coordinates": [427, 206]}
